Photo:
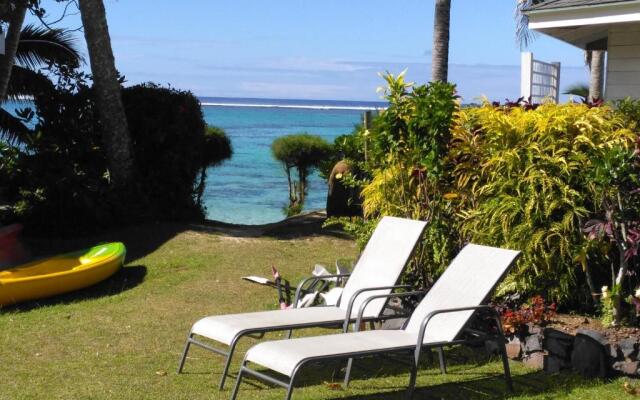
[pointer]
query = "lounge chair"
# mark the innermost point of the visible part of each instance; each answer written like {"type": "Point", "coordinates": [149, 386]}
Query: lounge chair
{"type": "Point", "coordinates": [376, 272]}
{"type": "Point", "coordinates": [437, 321]}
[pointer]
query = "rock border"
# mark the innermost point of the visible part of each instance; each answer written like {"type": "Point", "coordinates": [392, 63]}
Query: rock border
{"type": "Point", "coordinates": [587, 352]}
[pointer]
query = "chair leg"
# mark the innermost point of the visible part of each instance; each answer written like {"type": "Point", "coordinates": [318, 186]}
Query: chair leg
{"type": "Point", "coordinates": [347, 373]}
{"type": "Point", "coordinates": [227, 363]}
{"type": "Point", "coordinates": [443, 364]}
{"type": "Point", "coordinates": [234, 394]}
{"type": "Point", "coordinates": [412, 379]}
{"type": "Point", "coordinates": [505, 364]}
{"type": "Point", "coordinates": [184, 353]}
{"type": "Point", "coordinates": [289, 391]}
{"type": "Point", "coordinates": [291, 383]}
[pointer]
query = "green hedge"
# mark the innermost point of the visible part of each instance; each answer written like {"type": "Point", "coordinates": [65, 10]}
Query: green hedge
{"type": "Point", "coordinates": [59, 178]}
{"type": "Point", "coordinates": [537, 178]}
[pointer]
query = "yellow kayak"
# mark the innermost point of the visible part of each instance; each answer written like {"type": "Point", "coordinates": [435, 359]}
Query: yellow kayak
{"type": "Point", "coordinates": [60, 274]}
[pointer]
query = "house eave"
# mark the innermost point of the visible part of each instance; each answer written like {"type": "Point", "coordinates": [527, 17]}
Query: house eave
{"type": "Point", "coordinates": [590, 6]}
{"type": "Point", "coordinates": [600, 14]}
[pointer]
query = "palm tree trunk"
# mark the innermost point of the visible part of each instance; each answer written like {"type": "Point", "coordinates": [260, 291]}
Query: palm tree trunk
{"type": "Point", "coordinates": [115, 131]}
{"type": "Point", "coordinates": [596, 80]}
{"type": "Point", "coordinates": [16, 20]}
{"type": "Point", "coordinates": [440, 51]}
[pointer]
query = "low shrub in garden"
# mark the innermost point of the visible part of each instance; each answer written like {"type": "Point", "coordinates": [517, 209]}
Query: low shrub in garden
{"type": "Point", "coordinates": [516, 317]}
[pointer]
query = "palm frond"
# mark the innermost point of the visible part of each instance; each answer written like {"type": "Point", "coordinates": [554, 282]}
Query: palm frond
{"type": "Point", "coordinates": [11, 127]}
{"type": "Point", "coordinates": [578, 89]}
{"type": "Point", "coordinates": [25, 82]}
{"type": "Point", "coordinates": [524, 36]}
{"type": "Point", "coordinates": [39, 46]}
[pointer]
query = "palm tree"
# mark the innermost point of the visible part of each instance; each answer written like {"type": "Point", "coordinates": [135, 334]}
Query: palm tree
{"type": "Point", "coordinates": [37, 47]}
{"type": "Point", "coordinates": [595, 61]}
{"type": "Point", "coordinates": [524, 36]}
{"type": "Point", "coordinates": [16, 13]}
{"type": "Point", "coordinates": [578, 89]}
{"type": "Point", "coordinates": [440, 51]}
{"type": "Point", "coordinates": [115, 130]}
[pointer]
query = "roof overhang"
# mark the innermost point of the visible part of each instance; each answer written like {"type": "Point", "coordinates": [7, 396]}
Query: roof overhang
{"type": "Point", "coordinates": [584, 26]}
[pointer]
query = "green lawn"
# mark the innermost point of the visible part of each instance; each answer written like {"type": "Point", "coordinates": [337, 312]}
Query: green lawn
{"type": "Point", "coordinates": [123, 338]}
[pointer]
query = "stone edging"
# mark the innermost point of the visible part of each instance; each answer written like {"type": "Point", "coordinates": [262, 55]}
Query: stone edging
{"type": "Point", "coordinates": [588, 352]}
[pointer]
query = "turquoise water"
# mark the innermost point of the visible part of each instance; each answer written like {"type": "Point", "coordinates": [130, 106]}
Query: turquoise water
{"type": "Point", "coordinates": [251, 188]}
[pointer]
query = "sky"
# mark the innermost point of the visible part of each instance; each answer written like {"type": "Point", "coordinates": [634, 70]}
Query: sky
{"type": "Point", "coordinates": [329, 49]}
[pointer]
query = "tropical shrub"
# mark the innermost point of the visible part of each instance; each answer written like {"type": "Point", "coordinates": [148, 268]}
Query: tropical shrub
{"type": "Point", "coordinates": [349, 147]}
{"type": "Point", "coordinates": [61, 180]}
{"type": "Point", "coordinates": [8, 168]}
{"type": "Point", "coordinates": [516, 317]}
{"type": "Point", "coordinates": [524, 179]}
{"type": "Point", "coordinates": [615, 226]}
{"type": "Point", "coordinates": [405, 174]}
{"type": "Point", "coordinates": [168, 133]}
{"type": "Point", "coordinates": [302, 152]}
{"type": "Point", "coordinates": [629, 110]}
{"type": "Point", "coordinates": [543, 179]}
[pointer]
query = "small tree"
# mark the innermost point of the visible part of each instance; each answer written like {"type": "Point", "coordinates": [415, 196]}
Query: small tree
{"type": "Point", "coordinates": [304, 152]}
{"type": "Point", "coordinates": [216, 149]}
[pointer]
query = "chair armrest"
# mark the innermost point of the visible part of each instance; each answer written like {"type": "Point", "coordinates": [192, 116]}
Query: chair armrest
{"type": "Point", "coordinates": [429, 317]}
{"type": "Point", "coordinates": [311, 278]}
{"type": "Point", "coordinates": [364, 305]}
{"type": "Point", "coordinates": [347, 318]}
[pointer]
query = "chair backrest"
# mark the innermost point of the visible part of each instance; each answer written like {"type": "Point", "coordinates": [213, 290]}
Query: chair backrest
{"type": "Point", "coordinates": [467, 282]}
{"type": "Point", "coordinates": [382, 261]}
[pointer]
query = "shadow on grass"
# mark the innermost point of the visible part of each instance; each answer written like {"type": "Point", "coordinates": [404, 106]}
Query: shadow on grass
{"type": "Point", "coordinates": [487, 387]}
{"type": "Point", "coordinates": [303, 225]}
{"type": "Point", "coordinates": [466, 378]}
{"type": "Point", "coordinates": [140, 240]}
{"type": "Point", "coordinates": [126, 278]}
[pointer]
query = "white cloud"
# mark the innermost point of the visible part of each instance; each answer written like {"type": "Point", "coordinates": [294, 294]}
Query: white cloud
{"type": "Point", "coordinates": [293, 90]}
{"type": "Point", "coordinates": [307, 64]}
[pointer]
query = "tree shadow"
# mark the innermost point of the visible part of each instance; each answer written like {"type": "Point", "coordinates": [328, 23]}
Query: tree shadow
{"type": "Point", "coordinates": [126, 278]}
{"type": "Point", "coordinates": [487, 387]}
{"type": "Point", "coordinates": [140, 240]}
{"type": "Point", "coordinates": [394, 364]}
{"type": "Point", "coordinates": [298, 226]}
{"type": "Point", "coordinates": [470, 380]}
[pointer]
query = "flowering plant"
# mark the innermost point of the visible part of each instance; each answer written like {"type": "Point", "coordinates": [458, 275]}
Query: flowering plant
{"type": "Point", "coordinates": [535, 311]}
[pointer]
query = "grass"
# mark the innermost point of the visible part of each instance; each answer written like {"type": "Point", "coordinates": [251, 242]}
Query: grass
{"type": "Point", "coordinates": [123, 338]}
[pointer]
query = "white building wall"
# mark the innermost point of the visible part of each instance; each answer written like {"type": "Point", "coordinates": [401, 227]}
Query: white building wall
{"type": "Point", "coordinates": [623, 62]}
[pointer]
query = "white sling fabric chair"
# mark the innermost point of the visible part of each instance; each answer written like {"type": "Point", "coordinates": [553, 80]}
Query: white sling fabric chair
{"type": "Point", "coordinates": [439, 318]}
{"type": "Point", "coordinates": [376, 272]}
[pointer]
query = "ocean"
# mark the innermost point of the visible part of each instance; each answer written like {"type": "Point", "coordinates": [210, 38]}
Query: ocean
{"type": "Point", "coordinates": [251, 187]}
